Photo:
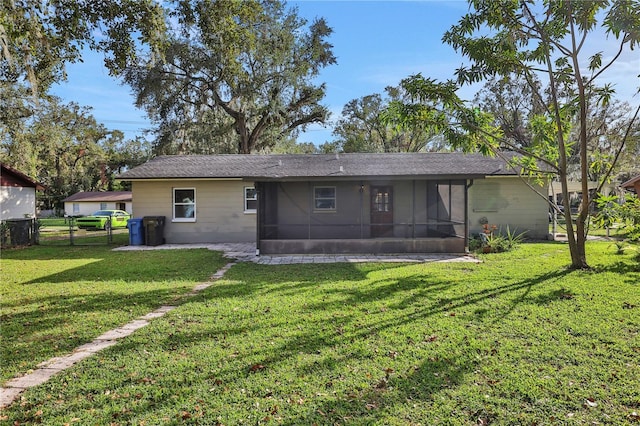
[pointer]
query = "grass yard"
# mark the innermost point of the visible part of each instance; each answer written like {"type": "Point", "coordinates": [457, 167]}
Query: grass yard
{"type": "Point", "coordinates": [54, 222]}
{"type": "Point", "coordinates": [517, 339]}
{"type": "Point", "coordinates": [54, 299]}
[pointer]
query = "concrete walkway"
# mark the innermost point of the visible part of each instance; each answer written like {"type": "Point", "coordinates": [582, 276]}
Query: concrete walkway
{"type": "Point", "coordinates": [242, 252]}
{"type": "Point", "coordinates": [246, 252]}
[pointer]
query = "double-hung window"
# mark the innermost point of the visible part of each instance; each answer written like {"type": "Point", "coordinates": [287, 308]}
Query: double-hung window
{"type": "Point", "coordinates": [250, 199]}
{"type": "Point", "coordinates": [184, 204]}
{"type": "Point", "coordinates": [324, 198]}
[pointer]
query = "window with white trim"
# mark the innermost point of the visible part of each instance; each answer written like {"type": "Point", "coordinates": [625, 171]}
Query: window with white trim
{"type": "Point", "coordinates": [324, 198]}
{"type": "Point", "coordinates": [184, 204]}
{"type": "Point", "coordinates": [103, 206]}
{"type": "Point", "coordinates": [250, 199]}
{"type": "Point", "coordinates": [76, 208]}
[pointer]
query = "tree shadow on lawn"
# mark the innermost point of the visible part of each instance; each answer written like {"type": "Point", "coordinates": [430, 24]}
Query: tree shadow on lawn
{"type": "Point", "coordinates": [318, 345]}
{"type": "Point", "coordinates": [151, 266]}
{"type": "Point", "coordinates": [246, 279]}
{"type": "Point", "coordinates": [426, 293]}
{"type": "Point", "coordinates": [629, 272]}
{"type": "Point", "coordinates": [57, 324]}
{"type": "Point", "coordinates": [52, 315]}
{"type": "Point", "coordinates": [423, 296]}
{"type": "Point", "coordinates": [183, 384]}
{"type": "Point", "coordinates": [329, 337]}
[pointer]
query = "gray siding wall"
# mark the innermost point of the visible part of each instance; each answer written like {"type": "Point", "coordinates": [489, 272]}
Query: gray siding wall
{"type": "Point", "coordinates": [507, 201]}
{"type": "Point", "coordinates": [220, 215]}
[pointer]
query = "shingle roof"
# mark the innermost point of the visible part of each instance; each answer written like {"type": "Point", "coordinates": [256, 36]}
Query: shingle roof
{"type": "Point", "coordinates": [631, 182]}
{"type": "Point", "coordinates": [316, 166]}
{"type": "Point", "coordinates": [26, 180]}
{"type": "Point", "coordinates": [121, 196]}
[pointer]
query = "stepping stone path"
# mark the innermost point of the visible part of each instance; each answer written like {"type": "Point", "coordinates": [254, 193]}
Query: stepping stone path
{"type": "Point", "coordinates": [14, 387]}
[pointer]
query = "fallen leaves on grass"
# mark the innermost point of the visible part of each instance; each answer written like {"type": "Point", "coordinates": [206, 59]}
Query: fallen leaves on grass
{"type": "Point", "coordinates": [256, 367]}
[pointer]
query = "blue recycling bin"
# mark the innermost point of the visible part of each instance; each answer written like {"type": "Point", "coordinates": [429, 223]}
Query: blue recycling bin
{"type": "Point", "coordinates": [136, 232]}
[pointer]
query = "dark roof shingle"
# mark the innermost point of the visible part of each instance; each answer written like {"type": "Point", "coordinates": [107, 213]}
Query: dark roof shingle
{"type": "Point", "coordinates": [316, 166]}
{"type": "Point", "coordinates": [631, 182]}
{"type": "Point", "coordinates": [120, 196]}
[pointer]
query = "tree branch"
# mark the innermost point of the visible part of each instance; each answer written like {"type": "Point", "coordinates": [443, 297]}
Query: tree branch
{"type": "Point", "coordinates": [619, 151]}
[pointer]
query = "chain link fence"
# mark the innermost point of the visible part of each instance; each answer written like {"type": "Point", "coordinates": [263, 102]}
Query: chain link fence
{"type": "Point", "coordinates": [56, 232]}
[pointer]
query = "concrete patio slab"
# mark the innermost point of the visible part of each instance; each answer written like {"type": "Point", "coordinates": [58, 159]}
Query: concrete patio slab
{"type": "Point", "coordinates": [246, 252]}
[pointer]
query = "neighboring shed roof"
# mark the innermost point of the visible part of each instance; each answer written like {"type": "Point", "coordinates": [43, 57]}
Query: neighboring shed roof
{"type": "Point", "coordinates": [12, 177]}
{"type": "Point", "coordinates": [631, 182]}
{"type": "Point", "coordinates": [118, 196]}
{"type": "Point", "coordinates": [316, 166]}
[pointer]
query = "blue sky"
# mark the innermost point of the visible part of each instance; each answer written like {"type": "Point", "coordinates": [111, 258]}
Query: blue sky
{"type": "Point", "coordinates": [377, 43]}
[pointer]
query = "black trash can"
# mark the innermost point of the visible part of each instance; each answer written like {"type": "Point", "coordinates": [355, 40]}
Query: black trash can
{"type": "Point", "coordinates": [154, 230]}
{"type": "Point", "coordinates": [20, 231]}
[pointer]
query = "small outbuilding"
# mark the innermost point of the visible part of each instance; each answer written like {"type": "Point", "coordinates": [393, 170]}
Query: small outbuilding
{"type": "Point", "coordinates": [17, 194]}
{"type": "Point", "coordinates": [338, 203]}
{"type": "Point", "coordinates": [633, 184]}
{"type": "Point", "coordinates": [86, 203]}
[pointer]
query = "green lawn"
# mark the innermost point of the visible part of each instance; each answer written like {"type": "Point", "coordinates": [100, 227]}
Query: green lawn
{"type": "Point", "coordinates": [518, 339]}
{"type": "Point", "coordinates": [54, 222]}
{"type": "Point", "coordinates": [54, 299]}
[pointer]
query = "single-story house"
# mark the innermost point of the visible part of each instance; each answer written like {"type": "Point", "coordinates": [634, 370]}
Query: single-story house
{"type": "Point", "coordinates": [633, 184]}
{"type": "Point", "coordinates": [337, 203]}
{"type": "Point", "coordinates": [574, 188]}
{"type": "Point", "coordinates": [17, 194]}
{"type": "Point", "coordinates": [87, 203]}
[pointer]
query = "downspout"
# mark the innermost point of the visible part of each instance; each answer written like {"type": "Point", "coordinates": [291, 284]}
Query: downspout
{"type": "Point", "coordinates": [361, 209]}
{"type": "Point", "coordinates": [259, 215]}
{"type": "Point", "coordinates": [310, 209]}
{"type": "Point", "coordinates": [466, 215]}
{"type": "Point", "coordinates": [413, 211]}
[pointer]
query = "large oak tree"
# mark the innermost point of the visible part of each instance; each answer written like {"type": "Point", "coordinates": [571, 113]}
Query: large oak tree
{"type": "Point", "coordinates": [242, 68]}
{"type": "Point", "coordinates": [39, 37]}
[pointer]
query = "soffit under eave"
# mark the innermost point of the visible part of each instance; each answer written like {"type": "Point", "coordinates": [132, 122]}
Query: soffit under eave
{"type": "Point", "coordinates": [364, 178]}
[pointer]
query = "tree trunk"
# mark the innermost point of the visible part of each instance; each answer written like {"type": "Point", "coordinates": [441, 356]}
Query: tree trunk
{"type": "Point", "coordinates": [578, 253]}
{"type": "Point", "coordinates": [579, 259]}
{"type": "Point", "coordinates": [577, 244]}
{"type": "Point", "coordinates": [244, 142]}
{"type": "Point", "coordinates": [575, 236]}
